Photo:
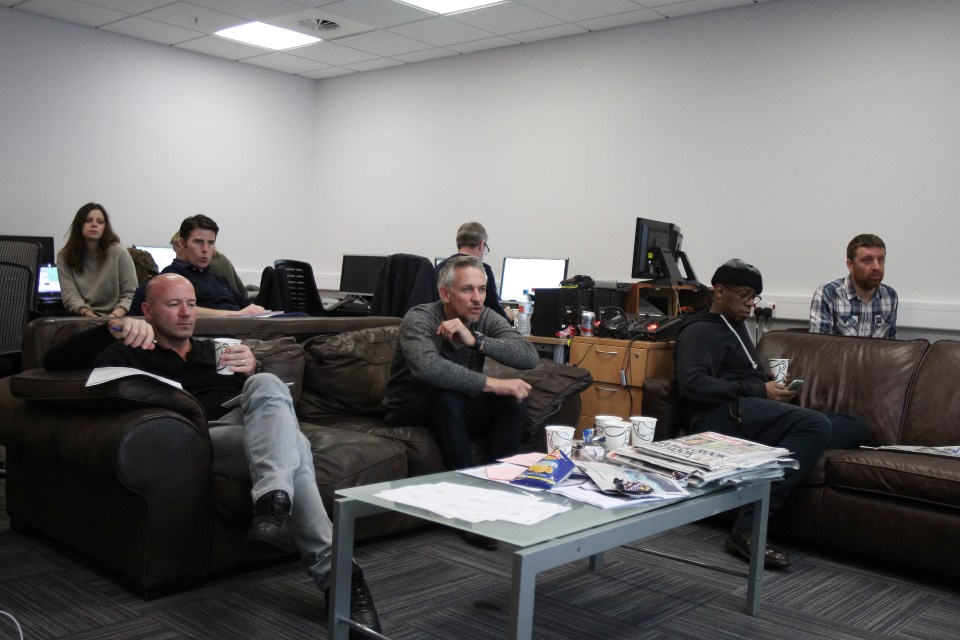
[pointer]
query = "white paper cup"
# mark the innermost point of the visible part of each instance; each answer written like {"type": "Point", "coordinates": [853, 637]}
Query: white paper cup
{"type": "Point", "coordinates": [600, 421]}
{"type": "Point", "coordinates": [560, 437]}
{"type": "Point", "coordinates": [220, 347]}
{"type": "Point", "coordinates": [617, 433]}
{"type": "Point", "coordinates": [778, 368]}
{"type": "Point", "coordinates": [642, 429]}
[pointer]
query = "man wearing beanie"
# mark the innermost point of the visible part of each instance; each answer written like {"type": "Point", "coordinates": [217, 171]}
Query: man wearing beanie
{"type": "Point", "coordinates": [723, 388]}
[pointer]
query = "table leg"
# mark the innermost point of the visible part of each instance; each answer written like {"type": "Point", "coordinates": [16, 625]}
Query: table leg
{"type": "Point", "coordinates": [344, 519]}
{"type": "Point", "coordinates": [522, 594]}
{"type": "Point", "coordinates": [596, 562]}
{"type": "Point", "coordinates": [761, 510]}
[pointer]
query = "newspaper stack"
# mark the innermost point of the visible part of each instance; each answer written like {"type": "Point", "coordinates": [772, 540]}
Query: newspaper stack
{"type": "Point", "coordinates": [707, 457]}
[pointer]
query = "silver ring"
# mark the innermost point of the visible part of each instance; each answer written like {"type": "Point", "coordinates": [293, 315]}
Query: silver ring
{"type": "Point", "coordinates": [243, 362]}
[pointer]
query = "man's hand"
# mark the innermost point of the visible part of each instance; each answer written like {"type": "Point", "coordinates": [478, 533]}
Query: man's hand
{"type": "Point", "coordinates": [455, 331]}
{"type": "Point", "coordinates": [239, 359]}
{"type": "Point", "coordinates": [777, 391]}
{"type": "Point", "coordinates": [135, 332]}
{"type": "Point", "coordinates": [249, 310]}
{"type": "Point", "coordinates": [510, 387]}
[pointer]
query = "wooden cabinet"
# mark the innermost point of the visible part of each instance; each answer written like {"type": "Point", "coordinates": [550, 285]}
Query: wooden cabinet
{"type": "Point", "coordinates": [619, 368]}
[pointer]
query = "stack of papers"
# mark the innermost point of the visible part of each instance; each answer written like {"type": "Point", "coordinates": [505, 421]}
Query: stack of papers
{"type": "Point", "coordinates": [707, 457]}
{"type": "Point", "coordinates": [474, 504]}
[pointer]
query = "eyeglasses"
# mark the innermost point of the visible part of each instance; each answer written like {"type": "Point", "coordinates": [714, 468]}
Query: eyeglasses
{"type": "Point", "coordinates": [486, 248]}
{"type": "Point", "coordinates": [746, 297]}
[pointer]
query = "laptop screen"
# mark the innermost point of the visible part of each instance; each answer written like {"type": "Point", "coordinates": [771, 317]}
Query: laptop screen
{"type": "Point", "coordinates": [48, 282]}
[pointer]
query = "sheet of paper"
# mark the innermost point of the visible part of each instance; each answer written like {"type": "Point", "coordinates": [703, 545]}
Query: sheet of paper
{"type": "Point", "coordinates": [524, 459]}
{"type": "Point", "coordinates": [106, 374]}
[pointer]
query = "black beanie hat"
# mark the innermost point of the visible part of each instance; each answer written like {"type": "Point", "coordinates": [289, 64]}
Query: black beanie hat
{"type": "Point", "coordinates": [739, 273]}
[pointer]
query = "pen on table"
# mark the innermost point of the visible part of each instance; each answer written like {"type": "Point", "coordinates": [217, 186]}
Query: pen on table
{"type": "Point", "coordinates": [119, 330]}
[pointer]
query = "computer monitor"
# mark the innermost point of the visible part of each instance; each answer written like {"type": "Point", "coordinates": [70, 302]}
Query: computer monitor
{"type": "Point", "coordinates": [359, 275]}
{"type": "Point", "coordinates": [656, 249]}
{"type": "Point", "coordinates": [47, 254]}
{"type": "Point", "coordinates": [162, 255]}
{"type": "Point", "coordinates": [530, 273]}
{"type": "Point", "coordinates": [48, 283]}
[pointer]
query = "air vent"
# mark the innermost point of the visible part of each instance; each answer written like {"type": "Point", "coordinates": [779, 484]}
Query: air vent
{"type": "Point", "coordinates": [318, 24]}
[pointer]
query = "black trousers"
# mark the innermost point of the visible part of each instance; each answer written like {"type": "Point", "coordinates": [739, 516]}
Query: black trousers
{"type": "Point", "coordinates": [454, 417]}
{"type": "Point", "coordinates": [804, 432]}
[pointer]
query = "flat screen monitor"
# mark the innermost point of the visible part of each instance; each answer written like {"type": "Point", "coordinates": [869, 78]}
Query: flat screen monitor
{"type": "Point", "coordinates": [530, 273]}
{"type": "Point", "coordinates": [359, 274]}
{"type": "Point", "coordinates": [48, 282]}
{"type": "Point", "coordinates": [47, 255]}
{"type": "Point", "coordinates": [162, 255]}
{"type": "Point", "coordinates": [656, 250]}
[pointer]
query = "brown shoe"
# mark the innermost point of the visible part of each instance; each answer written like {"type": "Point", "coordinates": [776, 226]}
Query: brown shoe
{"type": "Point", "coordinates": [738, 543]}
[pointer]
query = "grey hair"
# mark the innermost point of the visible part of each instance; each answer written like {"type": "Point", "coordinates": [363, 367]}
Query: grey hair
{"type": "Point", "coordinates": [471, 234]}
{"type": "Point", "coordinates": [448, 270]}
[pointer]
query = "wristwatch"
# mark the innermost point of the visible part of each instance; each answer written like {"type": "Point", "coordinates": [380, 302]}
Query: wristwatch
{"type": "Point", "coordinates": [258, 368]}
{"type": "Point", "coordinates": [479, 337]}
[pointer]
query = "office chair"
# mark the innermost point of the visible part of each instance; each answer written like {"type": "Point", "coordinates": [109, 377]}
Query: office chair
{"type": "Point", "coordinates": [405, 281]}
{"type": "Point", "coordinates": [25, 253]}
{"type": "Point", "coordinates": [17, 290]}
{"type": "Point", "coordinates": [298, 288]}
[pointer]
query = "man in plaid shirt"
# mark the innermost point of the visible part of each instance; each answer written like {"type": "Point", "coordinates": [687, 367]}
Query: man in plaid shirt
{"type": "Point", "coordinates": [859, 304]}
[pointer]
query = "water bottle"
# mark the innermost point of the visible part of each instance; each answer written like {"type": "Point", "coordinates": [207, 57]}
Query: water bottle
{"type": "Point", "coordinates": [523, 320]}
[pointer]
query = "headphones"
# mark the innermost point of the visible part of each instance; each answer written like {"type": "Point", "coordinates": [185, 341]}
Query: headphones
{"type": "Point", "coordinates": [614, 323]}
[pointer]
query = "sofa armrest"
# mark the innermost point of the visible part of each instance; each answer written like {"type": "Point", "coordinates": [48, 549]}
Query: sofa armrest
{"type": "Point", "coordinates": [660, 402]}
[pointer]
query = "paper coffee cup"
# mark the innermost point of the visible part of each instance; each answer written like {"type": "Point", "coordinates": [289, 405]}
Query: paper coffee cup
{"type": "Point", "coordinates": [560, 437]}
{"type": "Point", "coordinates": [600, 421]}
{"type": "Point", "coordinates": [220, 347]}
{"type": "Point", "coordinates": [778, 368]}
{"type": "Point", "coordinates": [642, 429]}
{"type": "Point", "coordinates": [617, 433]}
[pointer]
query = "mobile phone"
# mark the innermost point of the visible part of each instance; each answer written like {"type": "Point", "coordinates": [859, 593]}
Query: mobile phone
{"type": "Point", "coordinates": [795, 385]}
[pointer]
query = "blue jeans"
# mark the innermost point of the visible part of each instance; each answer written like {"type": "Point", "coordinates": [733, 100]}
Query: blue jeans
{"type": "Point", "coordinates": [260, 442]}
{"type": "Point", "coordinates": [454, 416]}
{"type": "Point", "coordinates": [805, 432]}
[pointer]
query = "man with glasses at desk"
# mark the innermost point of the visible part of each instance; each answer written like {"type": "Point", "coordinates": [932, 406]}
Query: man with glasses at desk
{"type": "Point", "coordinates": [472, 241]}
{"type": "Point", "coordinates": [723, 388]}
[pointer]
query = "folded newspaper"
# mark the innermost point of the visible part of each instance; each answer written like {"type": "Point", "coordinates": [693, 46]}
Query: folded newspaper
{"type": "Point", "coordinates": [707, 457]}
{"type": "Point", "coordinates": [951, 451]}
{"type": "Point", "coordinates": [631, 483]}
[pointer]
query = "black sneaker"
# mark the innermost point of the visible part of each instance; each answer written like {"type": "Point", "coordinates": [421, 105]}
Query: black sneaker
{"type": "Point", "coordinates": [361, 603]}
{"type": "Point", "coordinates": [270, 530]}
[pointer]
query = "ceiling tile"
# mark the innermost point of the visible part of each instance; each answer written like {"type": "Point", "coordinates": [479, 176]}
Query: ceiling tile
{"type": "Point", "coordinates": [329, 72]}
{"type": "Point", "coordinates": [558, 31]}
{"type": "Point", "coordinates": [133, 7]}
{"type": "Point", "coordinates": [507, 18]}
{"type": "Point", "coordinates": [441, 31]}
{"type": "Point", "coordinates": [480, 45]}
{"type": "Point", "coordinates": [383, 43]}
{"type": "Point", "coordinates": [699, 6]}
{"type": "Point", "coordinates": [73, 11]}
{"type": "Point", "coordinates": [621, 20]}
{"type": "Point", "coordinates": [221, 48]}
{"type": "Point", "coordinates": [251, 9]}
{"type": "Point", "coordinates": [152, 30]}
{"type": "Point", "coordinates": [371, 65]}
{"type": "Point", "coordinates": [377, 13]}
{"type": "Point", "coordinates": [285, 62]}
{"type": "Point", "coordinates": [426, 54]}
{"type": "Point", "coordinates": [191, 16]}
{"type": "Point", "coordinates": [576, 10]}
{"type": "Point", "coordinates": [332, 54]}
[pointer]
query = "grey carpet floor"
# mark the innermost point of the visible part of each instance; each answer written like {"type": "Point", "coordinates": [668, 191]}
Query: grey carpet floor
{"type": "Point", "coordinates": [430, 585]}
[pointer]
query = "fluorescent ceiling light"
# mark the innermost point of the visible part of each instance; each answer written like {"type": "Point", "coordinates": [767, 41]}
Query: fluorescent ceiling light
{"type": "Point", "coordinates": [451, 6]}
{"type": "Point", "coordinates": [266, 36]}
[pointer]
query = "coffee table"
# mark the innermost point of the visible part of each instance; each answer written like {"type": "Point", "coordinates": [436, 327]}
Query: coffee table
{"type": "Point", "coordinates": [585, 531]}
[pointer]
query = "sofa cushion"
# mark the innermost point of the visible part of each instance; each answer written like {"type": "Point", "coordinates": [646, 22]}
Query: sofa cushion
{"type": "Point", "coordinates": [931, 480]}
{"type": "Point", "coordinates": [933, 414]}
{"type": "Point", "coordinates": [869, 376]}
{"type": "Point", "coordinates": [282, 357]}
{"type": "Point", "coordinates": [347, 374]}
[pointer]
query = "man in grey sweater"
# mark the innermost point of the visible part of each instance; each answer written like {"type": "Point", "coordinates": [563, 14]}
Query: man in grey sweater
{"type": "Point", "coordinates": [437, 379]}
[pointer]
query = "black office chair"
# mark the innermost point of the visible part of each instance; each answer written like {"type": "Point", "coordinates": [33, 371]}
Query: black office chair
{"type": "Point", "coordinates": [405, 281]}
{"type": "Point", "coordinates": [298, 288]}
{"type": "Point", "coordinates": [27, 254]}
{"type": "Point", "coordinates": [17, 290]}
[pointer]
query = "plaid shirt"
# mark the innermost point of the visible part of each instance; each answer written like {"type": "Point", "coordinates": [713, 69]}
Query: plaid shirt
{"type": "Point", "coordinates": [836, 308]}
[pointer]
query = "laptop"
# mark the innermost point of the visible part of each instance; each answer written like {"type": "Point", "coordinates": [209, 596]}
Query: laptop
{"type": "Point", "coordinates": [48, 284]}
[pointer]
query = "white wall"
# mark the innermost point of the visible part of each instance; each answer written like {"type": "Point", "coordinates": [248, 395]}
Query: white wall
{"type": "Point", "coordinates": [773, 132]}
{"type": "Point", "coordinates": [155, 134]}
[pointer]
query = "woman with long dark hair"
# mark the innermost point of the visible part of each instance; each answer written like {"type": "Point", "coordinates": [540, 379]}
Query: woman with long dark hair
{"type": "Point", "coordinates": [97, 276]}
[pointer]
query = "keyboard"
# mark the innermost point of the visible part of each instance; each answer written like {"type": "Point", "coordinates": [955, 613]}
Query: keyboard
{"type": "Point", "coordinates": [606, 284]}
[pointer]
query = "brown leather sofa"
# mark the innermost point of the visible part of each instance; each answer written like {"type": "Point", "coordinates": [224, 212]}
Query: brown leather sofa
{"type": "Point", "coordinates": [121, 472]}
{"type": "Point", "coordinates": [902, 508]}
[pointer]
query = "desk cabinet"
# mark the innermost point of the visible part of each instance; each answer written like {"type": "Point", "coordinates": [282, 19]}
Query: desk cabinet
{"type": "Point", "coordinates": [619, 368]}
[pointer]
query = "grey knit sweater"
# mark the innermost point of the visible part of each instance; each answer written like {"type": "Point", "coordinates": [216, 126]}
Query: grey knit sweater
{"type": "Point", "coordinates": [424, 361]}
